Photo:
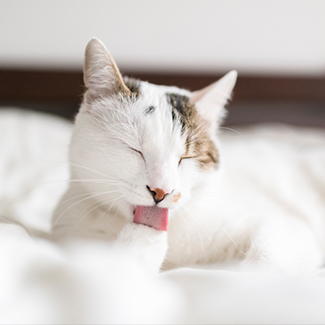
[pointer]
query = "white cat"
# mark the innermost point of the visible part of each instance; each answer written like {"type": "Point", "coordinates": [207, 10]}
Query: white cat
{"type": "Point", "coordinates": [146, 159]}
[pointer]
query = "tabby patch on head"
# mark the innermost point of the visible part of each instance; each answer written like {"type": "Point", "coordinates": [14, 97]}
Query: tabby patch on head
{"type": "Point", "coordinates": [133, 85]}
{"type": "Point", "coordinates": [198, 143]}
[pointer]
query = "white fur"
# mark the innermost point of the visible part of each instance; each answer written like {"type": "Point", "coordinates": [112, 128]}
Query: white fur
{"type": "Point", "coordinates": [212, 221]}
{"type": "Point", "coordinates": [279, 166]}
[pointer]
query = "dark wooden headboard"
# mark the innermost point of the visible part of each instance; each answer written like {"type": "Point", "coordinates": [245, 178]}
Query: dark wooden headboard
{"type": "Point", "coordinates": [296, 100]}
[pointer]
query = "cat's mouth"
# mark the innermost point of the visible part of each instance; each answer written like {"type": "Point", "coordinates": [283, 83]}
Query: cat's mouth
{"type": "Point", "coordinates": [151, 216]}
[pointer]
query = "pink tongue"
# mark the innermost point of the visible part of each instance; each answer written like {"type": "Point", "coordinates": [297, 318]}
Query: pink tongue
{"type": "Point", "coordinates": [151, 216]}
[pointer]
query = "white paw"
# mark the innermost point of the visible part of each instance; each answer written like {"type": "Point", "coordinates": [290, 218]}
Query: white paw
{"type": "Point", "coordinates": [146, 244]}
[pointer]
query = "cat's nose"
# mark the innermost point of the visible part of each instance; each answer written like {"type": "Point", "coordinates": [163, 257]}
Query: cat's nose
{"type": "Point", "coordinates": [158, 194]}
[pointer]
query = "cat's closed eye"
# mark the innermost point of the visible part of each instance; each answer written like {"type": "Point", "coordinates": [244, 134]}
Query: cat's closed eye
{"type": "Point", "coordinates": [186, 157]}
{"type": "Point", "coordinates": [139, 152]}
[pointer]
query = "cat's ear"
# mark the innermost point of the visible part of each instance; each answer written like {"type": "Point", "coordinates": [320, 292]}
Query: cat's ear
{"type": "Point", "coordinates": [101, 74]}
{"type": "Point", "coordinates": [210, 101]}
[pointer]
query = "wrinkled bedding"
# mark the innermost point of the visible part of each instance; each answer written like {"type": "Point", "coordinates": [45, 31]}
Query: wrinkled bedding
{"type": "Point", "coordinates": [86, 282]}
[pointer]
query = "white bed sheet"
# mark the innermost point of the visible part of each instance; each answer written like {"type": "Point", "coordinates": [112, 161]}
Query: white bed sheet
{"type": "Point", "coordinates": [86, 282]}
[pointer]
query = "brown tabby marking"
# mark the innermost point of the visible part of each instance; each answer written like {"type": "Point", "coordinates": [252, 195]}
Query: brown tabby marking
{"type": "Point", "coordinates": [133, 85]}
{"type": "Point", "coordinates": [198, 143]}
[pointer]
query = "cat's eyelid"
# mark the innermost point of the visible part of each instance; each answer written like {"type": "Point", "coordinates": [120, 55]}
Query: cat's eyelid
{"type": "Point", "coordinates": [139, 152]}
{"type": "Point", "coordinates": [186, 157]}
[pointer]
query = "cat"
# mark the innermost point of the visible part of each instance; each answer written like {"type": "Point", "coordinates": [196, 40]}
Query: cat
{"type": "Point", "coordinates": [147, 171]}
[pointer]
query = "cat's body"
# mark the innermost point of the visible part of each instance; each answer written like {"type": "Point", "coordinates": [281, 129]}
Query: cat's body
{"type": "Point", "coordinates": [139, 145]}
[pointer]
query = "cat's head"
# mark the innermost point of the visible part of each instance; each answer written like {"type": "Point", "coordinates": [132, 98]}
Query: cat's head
{"type": "Point", "coordinates": [144, 144]}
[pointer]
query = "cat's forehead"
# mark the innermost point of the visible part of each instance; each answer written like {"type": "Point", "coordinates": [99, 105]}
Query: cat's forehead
{"type": "Point", "coordinates": [157, 122]}
{"type": "Point", "coordinates": [146, 87]}
{"type": "Point", "coordinates": [167, 101]}
{"type": "Point", "coordinates": [147, 92]}
{"type": "Point", "coordinates": [164, 106]}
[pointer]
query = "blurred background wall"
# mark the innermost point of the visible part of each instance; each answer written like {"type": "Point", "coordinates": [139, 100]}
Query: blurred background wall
{"type": "Point", "coordinates": [278, 48]}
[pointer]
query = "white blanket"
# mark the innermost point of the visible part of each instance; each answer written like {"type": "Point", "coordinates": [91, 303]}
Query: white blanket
{"type": "Point", "coordinates": [87, 283]}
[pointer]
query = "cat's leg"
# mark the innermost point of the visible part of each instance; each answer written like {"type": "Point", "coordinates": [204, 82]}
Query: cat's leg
{"type": "Point", "coordinates": [146, 244]}
{"type": "Point", "coordinates": [285, 245]}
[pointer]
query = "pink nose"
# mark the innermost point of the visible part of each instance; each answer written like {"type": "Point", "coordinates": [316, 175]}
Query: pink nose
{"type": "Point", "coordinates": [158, 194]}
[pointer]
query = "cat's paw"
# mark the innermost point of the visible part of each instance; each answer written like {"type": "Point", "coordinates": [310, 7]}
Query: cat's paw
{"type": "Point", "coordinates": [146, 244]}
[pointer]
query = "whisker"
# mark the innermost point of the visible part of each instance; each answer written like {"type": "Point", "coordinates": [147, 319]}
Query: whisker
{"type": "Point", "coordinates": [230, 237]}
{"type": "Point", "coordinates": [75, 197]}
{"type": "Point", "coordinates": [96, 207]}
{"type": "Point", "coordinates": [96, 181]}
{"type": "Point", "coordinates": [204, 232]}
{"type": "Point", "coordinates": [187, 230]}
{"type": "Point", "coordinates": [230, 129]}
{"type": "Point", "coordinates": [84, 210]}
{"type": "Point", "coordinates": [202, 246]}
{"type": "Point", "coordinates": [218, 225]}
{"type": "Point", "coordinates": [67, 164]}
{"type": "Point", "coordinates": [112, 204]}
{"type": "Point", "coordinates": [89, 197]}
{"type": "Point", "coordinates": [87, 168]}
{"type": "Point", "coordinates": [33, 162]}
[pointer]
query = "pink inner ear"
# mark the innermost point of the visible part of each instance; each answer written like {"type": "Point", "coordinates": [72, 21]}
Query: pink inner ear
{"type": "Point", "coordinates": [197, 95]}
{"type": "Point", "coordinates": [217, 93]}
